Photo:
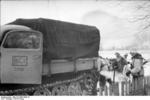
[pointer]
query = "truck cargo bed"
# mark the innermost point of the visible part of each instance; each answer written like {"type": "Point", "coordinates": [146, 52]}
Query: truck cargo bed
{"type": "Point", "coordinates": [65, 66]}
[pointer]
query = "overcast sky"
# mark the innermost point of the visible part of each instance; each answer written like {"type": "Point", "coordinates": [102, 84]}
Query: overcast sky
{"type": "Point", "coordinates": [111, 17]}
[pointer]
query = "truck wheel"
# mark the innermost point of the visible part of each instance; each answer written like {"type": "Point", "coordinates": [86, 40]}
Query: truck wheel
{"type": "Point", "coordinates": [43, 91]}
{"type": "Point", "coordinates": [59, 90]}
{"type": "Point", "coordinates": [74, 89]}
{"type": "Point", "coordinates": [22, 94]}
{"type": "Point", "coordinates": [89, 83]}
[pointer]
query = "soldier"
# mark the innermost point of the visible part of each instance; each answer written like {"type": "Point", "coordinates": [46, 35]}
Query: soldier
{"type": "Point", "coordinates": [121, 62]}
{"type": "Point", "coordinates": [125, 56]}
{"type": "Point", "coordinates": [136, 64]}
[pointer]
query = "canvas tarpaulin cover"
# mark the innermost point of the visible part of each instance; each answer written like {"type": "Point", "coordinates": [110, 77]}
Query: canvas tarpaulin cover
{"type": "Point", "coordinates": [64, 40]}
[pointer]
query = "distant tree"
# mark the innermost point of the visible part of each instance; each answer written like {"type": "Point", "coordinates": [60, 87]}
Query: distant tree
{"type": "Point", "coordinates": [142, 16]}
{"type": "Point", "coordinates": [143, 13]}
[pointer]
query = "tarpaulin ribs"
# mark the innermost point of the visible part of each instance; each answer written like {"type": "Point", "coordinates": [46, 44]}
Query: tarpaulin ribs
{"type": "Point", "coordinates": [63, 40]}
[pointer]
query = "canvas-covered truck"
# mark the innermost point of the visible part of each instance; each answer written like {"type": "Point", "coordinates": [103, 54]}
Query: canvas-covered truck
{"type": "Point", "coordinates": [48, 57]}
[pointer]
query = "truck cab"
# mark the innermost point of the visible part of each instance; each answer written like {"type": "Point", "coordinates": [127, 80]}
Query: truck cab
{"type": "Point", "coordinates": [21, 55]}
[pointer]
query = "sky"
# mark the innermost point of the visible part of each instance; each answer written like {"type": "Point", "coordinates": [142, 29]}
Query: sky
{"type": "Point", "coordinates": [110, 17]}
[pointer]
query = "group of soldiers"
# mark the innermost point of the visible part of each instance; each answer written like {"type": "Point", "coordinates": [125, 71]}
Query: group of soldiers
{"type": "Point", "coordinates": [133, 66]}
{"type": "Point", "coordinates": [128, 65]}
{"type": "Point", "coordinates": [120, 69]}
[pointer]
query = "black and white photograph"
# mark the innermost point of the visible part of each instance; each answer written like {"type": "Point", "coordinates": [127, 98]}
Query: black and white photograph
{"type": "Point", "coordinates": [74, 48]}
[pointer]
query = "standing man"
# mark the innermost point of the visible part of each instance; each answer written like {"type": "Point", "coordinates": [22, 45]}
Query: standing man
{"type": "Point", "coordinates": [136, 64]}
{"type": "Point", "coordinates": [121, 62]}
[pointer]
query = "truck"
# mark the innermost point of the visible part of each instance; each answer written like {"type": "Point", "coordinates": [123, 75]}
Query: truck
{"type": "Point", "coordinates": [48, 57]}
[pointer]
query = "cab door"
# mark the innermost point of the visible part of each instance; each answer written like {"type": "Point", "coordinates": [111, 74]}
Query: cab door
{"type": "Point", "coordinates": [21, 57]}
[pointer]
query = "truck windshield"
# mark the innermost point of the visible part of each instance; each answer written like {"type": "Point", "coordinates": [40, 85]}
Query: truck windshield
{"type": "Point", "coordinates": [22, 40]}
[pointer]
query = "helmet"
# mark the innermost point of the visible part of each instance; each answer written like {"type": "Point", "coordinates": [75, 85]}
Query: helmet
{"type": "Point", "coordinates": [117, 54]}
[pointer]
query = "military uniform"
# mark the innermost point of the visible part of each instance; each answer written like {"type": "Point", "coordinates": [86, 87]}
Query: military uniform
{"type": "Point", "coordinates": [137, 65]}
